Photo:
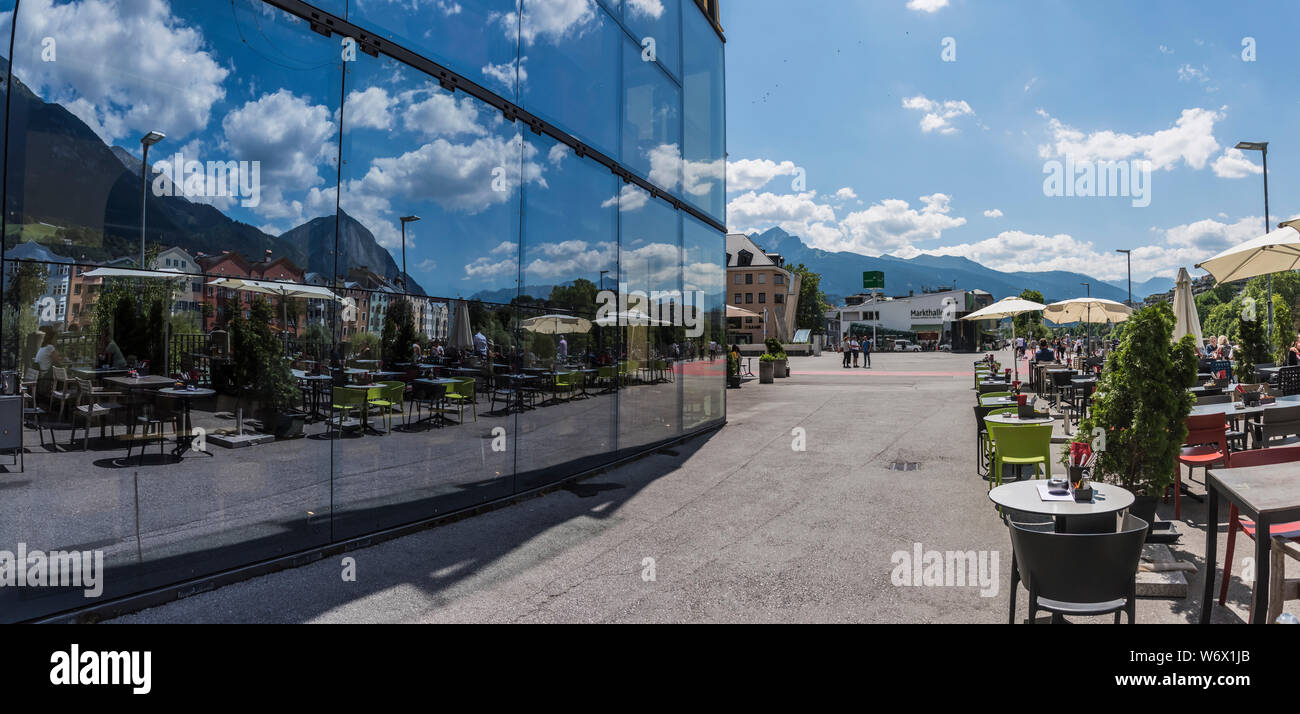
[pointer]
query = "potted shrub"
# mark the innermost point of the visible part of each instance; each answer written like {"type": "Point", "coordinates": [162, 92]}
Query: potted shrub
{"type": "Point", "coordinates": [780, 362]}
{"type": "Point", "coordinates": [260, 373]}
{"type": "Point", "coordinates": [1139, 413]}
{"type": "Point", "coordinates": [765, 366]}
{"type": "Point", "coordinates": [733, 372]}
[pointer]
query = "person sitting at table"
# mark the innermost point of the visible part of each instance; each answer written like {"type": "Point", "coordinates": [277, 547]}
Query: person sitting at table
{"type": "Point", "coordinates": [417, 353]}
{"type": "Point", "coordinates": [1293, 354]}
{"type": "Point", "coordinates": [110, 354]}
{"type": "Point", "coordinates": [48, 355]}
{"type": "Point", "coordinates": [1044, 354]}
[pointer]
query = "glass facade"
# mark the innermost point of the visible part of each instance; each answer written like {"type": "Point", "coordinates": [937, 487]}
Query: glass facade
{"type": "Point", "coordinates": [263, 291]}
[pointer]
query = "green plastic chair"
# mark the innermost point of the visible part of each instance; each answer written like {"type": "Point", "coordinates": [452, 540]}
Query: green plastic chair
{"type": "Point", "coordinates": [987, 437]}
{"type": "Point", "coordinates": [992, 395]}
{"type": "Point", "coordinates": [564, 384]}
{"type": "Point", "coordinates": [460, 394]}
{"type": "Point", "coordinates": [608, 377]}
{"type": "Point", "coordinates": [391, 396]}
{"type": "Point", "coordinates": [1023, 445]}
{"type": "Point", "coordinates": [343, 402]}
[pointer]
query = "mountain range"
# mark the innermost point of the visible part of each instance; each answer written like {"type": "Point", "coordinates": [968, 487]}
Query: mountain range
{"type": "Point", "coordinates": [64, 158]}
{"type": "Point", "coordinates": [842, 274]}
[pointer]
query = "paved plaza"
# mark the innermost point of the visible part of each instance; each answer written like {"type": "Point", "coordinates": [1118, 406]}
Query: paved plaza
{"type": "Point", "coordinates": [733, 526]}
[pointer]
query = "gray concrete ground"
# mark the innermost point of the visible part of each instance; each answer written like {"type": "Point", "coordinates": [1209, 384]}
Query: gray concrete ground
{"type": "Point", "coordinates": [741, 527]}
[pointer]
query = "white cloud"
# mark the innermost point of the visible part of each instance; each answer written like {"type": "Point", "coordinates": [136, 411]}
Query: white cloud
{"type": "Point", "coordinates": [554, 21]}
{"type": "Point", "coordinates": [753, 174]}
{"type": "Point", "coordinates": [845, 194]}
{"type": "Point", "coordinates": [441, 114]}
{"type": "Point", "coordinates": [125, 97]}
{"type": "Point", "coordinates": [938, 115]}
{"type": "Point", "coordinates": [630, 198]}
{"type": "Point", "coordinates": [993, 213]}
{"type": "Point", "coordinates": [1234, 164]}
{"type": "Point", "coordinates": [1188, 73]}
{"type": "Point", "coordinates": [368, 109]}
{"type": "Point", "coordinates": [504, 73]}
{"type": "Point", "coordinates": [290, 138]}
{"type": "Point", "coordinates": [1171, 248]}
{"type": "Point", "coordinates": [1190, 140]}
{"type": "Point", "coordinates": [927, 6]}
{"type": "Point", "coordinates": [891, 226]}
{"type": "Point", "coordinates": [557, 153]}
{"type": "Point", "coordinates": [646, 8]}
{"type": "Point", "coordinates": [1166, 50]}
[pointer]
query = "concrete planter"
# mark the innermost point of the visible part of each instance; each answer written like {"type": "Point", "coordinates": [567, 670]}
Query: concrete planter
{"type": "Point", "coordinates": [781, 368]}
{"type": "Point", "coordinates": [764, 372]}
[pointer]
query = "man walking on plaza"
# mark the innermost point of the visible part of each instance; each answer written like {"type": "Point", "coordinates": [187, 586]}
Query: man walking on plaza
{"type": "Point", "coordinates": [844, 347]}
{"type": "Point", "coordinates": [866, 353]}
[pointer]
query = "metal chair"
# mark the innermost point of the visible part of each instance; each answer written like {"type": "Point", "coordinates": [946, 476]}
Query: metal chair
{"type": "Point", "coordinates": [1288, 380]}
{"type": "Point", "coordinates": [1275, 422]}
{"type": "Point", "coordinates": [1077, 573]}
{"type": "Point", "coordinates": [90, 408]}
{"type": "Point", "coordinates": [1205, 446]}
{"type": "Point", "coordinates": [1285, 531]}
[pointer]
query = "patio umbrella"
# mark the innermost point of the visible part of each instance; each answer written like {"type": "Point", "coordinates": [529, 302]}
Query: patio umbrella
{"type": "Point", "coordinates": [1087, 311]}
{"type": "Point", "coordinates": [1274, 253]}
{"type": "Point", "coordinates": [557, 325]}
{"type": "Point", "coordinates": [284, 291]}
{"type": "Point", "coordinates": [1188, 322]}
{"type": "Point", "coordinates": [631, 318]}
{"type": "Point", "coordinates": [733, 311]}
{"type": "Point", "coordinates": [165, 274]}
{"type": "Point", "coordinates": [1003, 309]}
{"type": "Point", "coordinates": [461, 337]}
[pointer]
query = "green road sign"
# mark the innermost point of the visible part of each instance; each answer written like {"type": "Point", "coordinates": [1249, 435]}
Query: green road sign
{"type": "Point", "coordinates": [873, 279]}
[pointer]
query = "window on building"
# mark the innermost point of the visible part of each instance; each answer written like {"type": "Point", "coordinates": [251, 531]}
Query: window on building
{"type": "Point", "coordinates": [779, 299]}
{"type": "Point", "coordinates": [780, 279]}
{"type": "Point", "coordinates": [740, 279]}
{"type": "Point", "coordinates": [737, 300]}
{"type": "Point", "coordinates": [762, 298]}
{"type": "Point", "coordinates": [762, 278]}
{"type": "Point", "coordinates": [749, 298]}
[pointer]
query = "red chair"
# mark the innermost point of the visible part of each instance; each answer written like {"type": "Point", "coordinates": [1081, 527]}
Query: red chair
{"type": "Point", "coordinates": [1206, 445]}
{"type": "Point", "coordinates": [1242, 459]}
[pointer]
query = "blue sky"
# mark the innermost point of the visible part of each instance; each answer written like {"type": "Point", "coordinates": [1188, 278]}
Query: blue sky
{"type": "Point", "coordinates": [857, 94]}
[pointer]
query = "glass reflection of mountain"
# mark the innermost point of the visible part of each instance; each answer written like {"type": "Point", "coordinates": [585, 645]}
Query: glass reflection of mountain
{"type": "Point", "coordinates": [70, 191]}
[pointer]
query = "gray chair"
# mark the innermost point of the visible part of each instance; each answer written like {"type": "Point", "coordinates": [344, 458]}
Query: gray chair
{"type": "Point", "coordinates": [1288, 381]}
{"type": "Point", "coordinates": [1213, 399]}
{"type": "Point", "coordinates": [1077, 573]}
{"type": "Point", "coordinates": [1275, 422]}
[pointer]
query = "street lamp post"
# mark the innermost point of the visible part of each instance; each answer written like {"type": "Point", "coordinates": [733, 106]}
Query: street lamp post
{"type": "Point", "coordinates": [1262, 148]}
{"type": "Point", "coordinates": [405, 280]}
{"type": "Point", "coordinates": [146, 141]}
{"type": "Point", "coordinates": [1128, 255]}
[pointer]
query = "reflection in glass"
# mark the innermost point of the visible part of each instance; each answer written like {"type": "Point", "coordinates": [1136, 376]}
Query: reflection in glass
{"type": "Point", "coordinates": [570, 251]}
{"type": "Point", "coordinates": [704, 106]}
{"type": "Point", "coordinates": [704, 374]}
{"type": "Point", "coordinates": [651, 121]}
{"type": "Point", "coordinates": [656, 335]}
{"type": "Point", "coordinates": [660, 21]}
{"type": "Point", "coordinates": [478, 39]}
{"type": "Point", "coordinates": [576, 53]}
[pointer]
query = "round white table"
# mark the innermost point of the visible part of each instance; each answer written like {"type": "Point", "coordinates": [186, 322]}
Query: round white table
{"type": "Point", "coordinates": [1023, 496]}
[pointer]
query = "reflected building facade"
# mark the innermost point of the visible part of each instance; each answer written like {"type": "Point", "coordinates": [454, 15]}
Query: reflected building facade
{"type": "Point", "coordinates": [421, 256]}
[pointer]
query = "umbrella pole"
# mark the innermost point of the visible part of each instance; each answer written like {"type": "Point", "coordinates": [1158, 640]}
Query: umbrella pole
{"type": "Point", "coordinates": [1015, 360]}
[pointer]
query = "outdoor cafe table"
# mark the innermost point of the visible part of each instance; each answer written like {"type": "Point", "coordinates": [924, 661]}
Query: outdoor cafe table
{"type": "Point", "coordinates": [1013, 420]}
{"type": "Point", "coordinates": [98, 373]}
{"type": "Point", "coordinates": [1023, 496]}
{"type": "Point", "coordinates": [1229, 409]}
{"type": "Point", "coordinates": [185, 396]}
{"type": "Point", "coordinates": [997, 401]}
{"type": "Point", "coordinates": [431, 382]}
{"type": "Point", "coordinates": [1265, 494]}
{"type": "Point", "coordinates": [372, 391]}
{"type": "Point", "coordinates": [315, 385]}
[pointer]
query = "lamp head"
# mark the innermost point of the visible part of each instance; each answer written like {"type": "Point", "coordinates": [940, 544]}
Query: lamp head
{"type": "Point", "coordinates": [152, 138]}
{"type": "Point", "coordinates": [1252, 145]}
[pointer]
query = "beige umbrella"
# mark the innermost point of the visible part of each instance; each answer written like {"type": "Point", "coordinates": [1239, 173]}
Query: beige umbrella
{"type": "Point", "coordinates": [462, 336]}
{"type": "Point", "coordinates": [1274, 253]}
{"type": "Point", "coordinates": [733, 311]}
{"type": "Point", "coordinates": [1188, 322]}
{"type": "Point", "coordinates": [1003, 309]}
{"type": "Point", "coordinates": [557, 325]}
{"type": "Point", "coordinates": [1087, 310]}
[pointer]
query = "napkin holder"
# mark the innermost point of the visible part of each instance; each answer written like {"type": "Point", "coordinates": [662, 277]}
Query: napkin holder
{"type": "Point", "coordinates": [1080, 484]}
{"type": "Point", "coordinates": [1026, 411]}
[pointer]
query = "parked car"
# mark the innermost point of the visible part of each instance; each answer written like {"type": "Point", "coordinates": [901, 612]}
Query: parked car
{"type": "Point", "coordinates": [945, 347]}
{"type": "Point", "coordinates": [906, 346]}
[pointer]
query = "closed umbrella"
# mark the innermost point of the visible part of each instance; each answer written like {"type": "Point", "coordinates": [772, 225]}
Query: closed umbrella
{"type": "Point", "coordinates": [1188, 322]}
{"type": "Point", "coordinates": [1003, 309]}
{"type": "Point", "coordinates": [461, 337]}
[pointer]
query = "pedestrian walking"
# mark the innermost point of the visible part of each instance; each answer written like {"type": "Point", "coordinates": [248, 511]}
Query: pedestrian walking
{"type": "Point", "coordinates": [866, 353]}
